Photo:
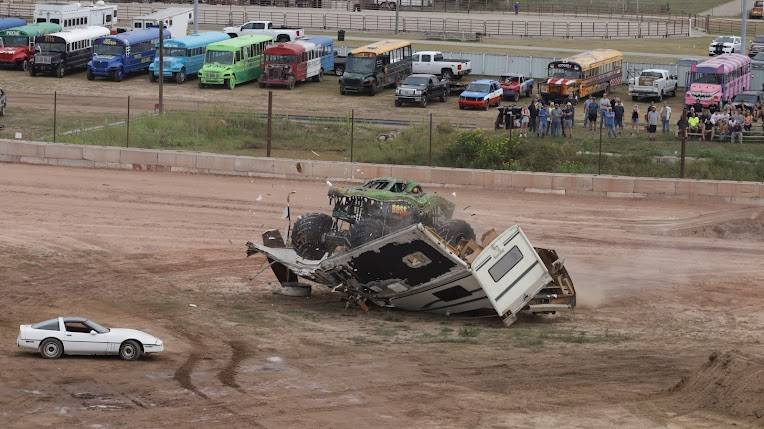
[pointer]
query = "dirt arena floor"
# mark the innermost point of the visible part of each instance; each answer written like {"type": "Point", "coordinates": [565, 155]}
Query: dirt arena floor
{"type": "Point", "coordinates": [668, 331]}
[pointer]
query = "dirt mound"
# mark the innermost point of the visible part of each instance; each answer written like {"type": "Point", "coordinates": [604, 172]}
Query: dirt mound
{"type": "Point", "coordinates": [744, 225]}
{"type": "Point", "coordinates": [729, 383]}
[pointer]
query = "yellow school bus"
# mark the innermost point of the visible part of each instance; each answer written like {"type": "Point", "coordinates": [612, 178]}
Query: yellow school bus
{"type": "Point", "coordinates": [582, 75]}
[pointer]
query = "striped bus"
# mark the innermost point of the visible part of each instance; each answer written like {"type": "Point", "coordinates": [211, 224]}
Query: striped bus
{"type": "Point", "coordinates": [582, 75]}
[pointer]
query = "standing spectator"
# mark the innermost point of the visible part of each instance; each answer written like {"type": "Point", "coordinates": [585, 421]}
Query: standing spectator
{"type": "Point", "coordinates": [604, 104]}
{"type": "Point", "coordinates": [591, 115]}
{"type": "Point", "coordinates": [618, 110]}
{"type": "Point", "coordinates": [681, 125]}
{"type": "Point", "coordinates": [758, 111]}
{"type": "Point", "coordinates": [635, 120]}
{"type": "Point", "coordinates": [587, 103]}
{"type": "Point", "coordinates": [652, 122]}
{"type": "Point", "coordinates": [524, 121]}
{"type": "Point", "coordinates": [609, 117]}
{"type": "Point", "coordinates": [708, 129]}
{"type": "Point", "coordinates": [665, 117]}
{"type": "Point", "coordinates": [568, 113]}
{"type": "Point", "coordinates": [517, 7]}
{"type": "Point", "coordinates": [549, 118]}
{"type": "Point", "coordinates": [541, 132]}
{"type": "Point", "coordinates": [556, 120]}
{"type": "Point", "coordinates": [736, 130]}
{"type": "Point", "coordinates": [534, 113]}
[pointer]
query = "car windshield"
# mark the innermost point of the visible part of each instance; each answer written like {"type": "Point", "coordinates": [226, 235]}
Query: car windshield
{"type": "Point", "coordinates": [724, 39]}
{"type": "Point", "coordinates": [174, 52]}
{"type": "Point", "coordinates": [416, 80]}
{"type": "Point", "coordinates": [478, 87]}
{"type": "Point", "coordinates": [15, 41]}
{"type": "Point", "coordinates": [50, 47]}
{"type": "Point", "coordinates": [96, 327]}
{"type": "Point", "coordinates": [567, 73]}
{"type": "Point", "coordinates": [109, 50]}
{"type": "Point", "coordinates": [651, 74]}
{"type": "Point", "coordinates": [745, 98]}
{"type": "Point", "coordinates": [280, 59]}
{"type": "Point", "coordinates": [360, 65]}
{"type": "Point", "coordinates": [219, 57]}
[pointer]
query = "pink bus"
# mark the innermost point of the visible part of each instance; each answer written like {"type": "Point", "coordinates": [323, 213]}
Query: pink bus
{"type": "Point", "coordinates": [718, 80]}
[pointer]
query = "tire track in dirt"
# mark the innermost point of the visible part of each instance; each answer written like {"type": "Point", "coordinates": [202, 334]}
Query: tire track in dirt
{"type": "Point", "coordinates": [239, 352]}
{"type": "Point", "coordinates": [183, 373]}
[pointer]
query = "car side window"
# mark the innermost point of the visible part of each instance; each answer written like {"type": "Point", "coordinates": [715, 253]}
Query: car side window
{"type": "Point", "coordinates": [48, 325]}
{"type": "Point", "coordinates": [398, 187]}
{"type": "Point", "coordinates": [80, 327]}
{"type": "Point", "coordinates": [426, 58]}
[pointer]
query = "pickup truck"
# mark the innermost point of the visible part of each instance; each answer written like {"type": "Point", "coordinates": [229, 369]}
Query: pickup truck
{"type": "Point", "coordinates": [756, 46]}
{"type": "Point", "coordinates": [757, 11]}
{"type": "Point", "coordinates": [747, 100]}
{"type": "Point", "coordinates": [516, 85]}
{"type": "Point", "coordinates": [432, 62]}
{"type": "Point", "coordinates": [653, 83]}
{"type": "Point", "coordinates": [280, 34]}
{"type": "Point", "coordinates": [421, 88]}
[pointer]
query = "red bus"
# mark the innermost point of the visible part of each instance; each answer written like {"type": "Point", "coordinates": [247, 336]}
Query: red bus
{"type": "Point", "coordinates": [292, 62]}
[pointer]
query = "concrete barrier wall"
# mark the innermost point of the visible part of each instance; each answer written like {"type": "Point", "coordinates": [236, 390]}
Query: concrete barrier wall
{"type": "Point", "coordinates": [207, 163]}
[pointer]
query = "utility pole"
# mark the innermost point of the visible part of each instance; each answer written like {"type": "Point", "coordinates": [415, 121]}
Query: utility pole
{"type": "Point", "coordinates": [161, 66]}
{"type": "Point", "coordinates": [397, 10]}
{"type": "Point", "coordinates": [743, 24]}
{"type": "Point", "coordinates": [196, 16]}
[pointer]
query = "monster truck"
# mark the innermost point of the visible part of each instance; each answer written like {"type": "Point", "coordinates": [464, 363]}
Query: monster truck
{"type": "Point", "coordinates": [378, 207]}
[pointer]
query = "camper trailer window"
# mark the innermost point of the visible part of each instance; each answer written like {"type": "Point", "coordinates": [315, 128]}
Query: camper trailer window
{"type": "Point", "coordinates": [505, 264]}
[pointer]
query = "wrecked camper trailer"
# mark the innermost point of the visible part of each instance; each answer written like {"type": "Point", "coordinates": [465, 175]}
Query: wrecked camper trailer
{"type": "Point", "coordinates": [416, 269]}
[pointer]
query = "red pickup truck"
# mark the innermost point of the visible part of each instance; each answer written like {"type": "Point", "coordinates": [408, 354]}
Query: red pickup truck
{"type": "Point", "coordinates": [515, 86]}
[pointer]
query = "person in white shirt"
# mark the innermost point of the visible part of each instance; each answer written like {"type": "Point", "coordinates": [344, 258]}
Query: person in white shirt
{"type": "Point", "coordinates": [665, 117]}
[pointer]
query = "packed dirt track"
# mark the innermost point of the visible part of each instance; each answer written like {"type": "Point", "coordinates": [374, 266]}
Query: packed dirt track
{"type": "Point", "coordinates": [668, 331]}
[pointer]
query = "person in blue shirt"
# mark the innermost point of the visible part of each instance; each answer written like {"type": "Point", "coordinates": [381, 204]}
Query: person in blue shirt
{"type": "Point", "coordinates": [543, 112]}
{"type": "Point", "coordinates": [609, 117]}
{"type": "Point", "coordinates": [591, 114]}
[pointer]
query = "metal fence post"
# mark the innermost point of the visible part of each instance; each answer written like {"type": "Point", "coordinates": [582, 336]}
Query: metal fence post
{"type": "Point", "coordinates": [268, 126]}
{"type": "Point", "coordinates": [55, 103]}
{"type": "Point", "coordinates": [127, 133]}
{"type": "Point", "coordinates": [429, 153]}
{"type": "Point", "coordinates": [684, 144]}
{"type": "Point", "coordinates": [599, 157]}
{"type": "Point", "coordinates": [352, 131]}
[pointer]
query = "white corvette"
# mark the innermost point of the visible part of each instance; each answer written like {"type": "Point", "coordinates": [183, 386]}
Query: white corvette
{"type": "Point", "coordinates": [80, 336]}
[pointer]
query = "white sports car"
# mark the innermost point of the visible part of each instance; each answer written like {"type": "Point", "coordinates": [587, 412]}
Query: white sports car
{"type": "Point", "coordinates": [80, 336]}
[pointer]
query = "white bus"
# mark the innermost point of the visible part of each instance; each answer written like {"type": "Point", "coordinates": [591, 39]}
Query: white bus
{"type": "Point", "coordinates": [57, 53]}
{"type": "Point", "coordinates": [175, 19]}
{"type": "Point", "coordinates": [73, 15]}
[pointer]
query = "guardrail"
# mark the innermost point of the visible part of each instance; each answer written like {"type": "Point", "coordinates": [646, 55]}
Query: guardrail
{"type": "Point", "coordinates": [221, 15]}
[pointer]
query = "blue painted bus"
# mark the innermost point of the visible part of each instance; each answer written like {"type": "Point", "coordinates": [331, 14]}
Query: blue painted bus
{"type": "Point", "coordinates": [326, 51]}
{"type": "Point", "coordinates": [118, 55]}
{"type": "Point", "coordinates": [6, 23]}
{"type": "Point", "coordinates": [184, 56]}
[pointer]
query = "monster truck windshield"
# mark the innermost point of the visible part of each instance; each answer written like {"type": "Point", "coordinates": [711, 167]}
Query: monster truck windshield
{"type": "Point", "coordinates": [377, 184]}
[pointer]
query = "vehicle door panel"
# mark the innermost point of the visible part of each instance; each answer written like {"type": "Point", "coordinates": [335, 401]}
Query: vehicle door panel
{"type": "Point", "coordinates": [83, 342]}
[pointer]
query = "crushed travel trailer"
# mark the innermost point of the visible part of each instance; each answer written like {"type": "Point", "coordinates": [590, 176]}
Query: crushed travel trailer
{"type": "Point", "coordinates": [416, 269]}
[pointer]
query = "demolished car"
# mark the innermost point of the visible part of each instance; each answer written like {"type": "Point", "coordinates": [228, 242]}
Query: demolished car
{"type": "Point", "coordinates": [420, 267]}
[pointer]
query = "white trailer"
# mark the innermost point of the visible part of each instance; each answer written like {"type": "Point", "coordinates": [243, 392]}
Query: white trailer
{"type": "Point", "coordinates": [175, 19]}
{"type": "Point", "coordinates": [76, 15]}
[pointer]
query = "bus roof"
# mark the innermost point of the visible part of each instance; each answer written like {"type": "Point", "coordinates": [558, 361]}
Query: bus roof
{"type": "Point", "coordinates": [31, 30]}
{"type": "Point", "coordinates": [380, 47]}
{"type": "Point", "coordinates": [319, 40]}
{"type": "Point", "coordinates": [285, 49]}
{"type": "Point", "coordinates": [591, 58]}
{"type": "Point", "coordinates": [82, 33]}
{"type": "Point", "coordinates": [306, 44]}
{"type": "Point", "coordinates": [6, 23]}
{"type": "Point", "coordinates": [724, 63]}
{"type": "Point", "coordinates": [136, 36]}
{"type": "Point", "coordinates": [198, 40]}
{"type": "Point", "coordinates": [239, 42]}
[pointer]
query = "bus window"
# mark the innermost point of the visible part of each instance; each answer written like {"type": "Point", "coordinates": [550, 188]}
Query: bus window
{"type": "Point", "coordinates": [108, 18]}
{"type": "Point", "coordinates": [55, 20]}
{"type": "Point", "coordinates": [42, 20]}
{"type": "Point", "coordinates": [137, 25]}
{"type": "Point", "coordinates": [238, 56]}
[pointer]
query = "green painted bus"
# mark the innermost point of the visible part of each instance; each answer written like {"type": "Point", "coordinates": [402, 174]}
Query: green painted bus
{"type": "Point", "coordinates": [234, 61]}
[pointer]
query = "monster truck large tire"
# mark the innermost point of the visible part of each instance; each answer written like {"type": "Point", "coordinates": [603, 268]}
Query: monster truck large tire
{"type": "Point", "coordinates": [455, 230]}
{"type": "Point", "coordinates": [364, 231]}
{"type": "Point", "coordinates": [307, 235]}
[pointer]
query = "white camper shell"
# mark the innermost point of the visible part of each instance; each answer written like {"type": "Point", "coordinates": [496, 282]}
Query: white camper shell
{"type": "Point", "coordinates": [76, 15]}
{"type": "Point", "coordinates": [415, 269]}
{"type": "Point", "coordinates": [175, 19]}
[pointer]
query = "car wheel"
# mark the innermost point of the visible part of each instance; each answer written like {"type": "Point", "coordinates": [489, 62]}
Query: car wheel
{"type": "Point", "coordinates": [30, 69]}
{"type": "Point", "coordinates": [25, 65]}
{"type": "Point", "coordinates": [423, 103]}
{"type": "Point", "coordinates": [339, 70]}
{"type": "Point", "coordinates": [308, 235]}
{"type": "Point", "coordinates": [444, 97]}
{"type": "Point", "coordinates": [130, 350]}
{"type": "Point", "coordinates": [90, 75]}
{"type": "Point", "coordinates": [51, 348]}
{"type": "Point", "coordinates": [231, 83]}
{"type": "Point", "coordinates": [447, 74]}
{"type": "Point", "coordinates": [2, 111]}
{"type": "Point", "coordinates": [456, 230]}
{"type": "Point", "coordinates": [118, 75]}
{"type": "Point", "coordinates": [152, 77]}
{"type": "Point", "coordinates": [60, 71]}
{"type": "Point", "coordinates": [398, 103]}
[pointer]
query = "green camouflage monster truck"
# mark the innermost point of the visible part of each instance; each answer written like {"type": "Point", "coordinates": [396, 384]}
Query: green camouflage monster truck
{"type": "Point", "coordinates": [378, 207]}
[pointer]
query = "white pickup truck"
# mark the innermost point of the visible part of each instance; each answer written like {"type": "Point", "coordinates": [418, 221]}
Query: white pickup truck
{"type": "Point", "coordinates": [432, 62]}
{"type": "Point", "coordinates": [280, 34]}
{"type": "Point", "coordinates": [654, 84]}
